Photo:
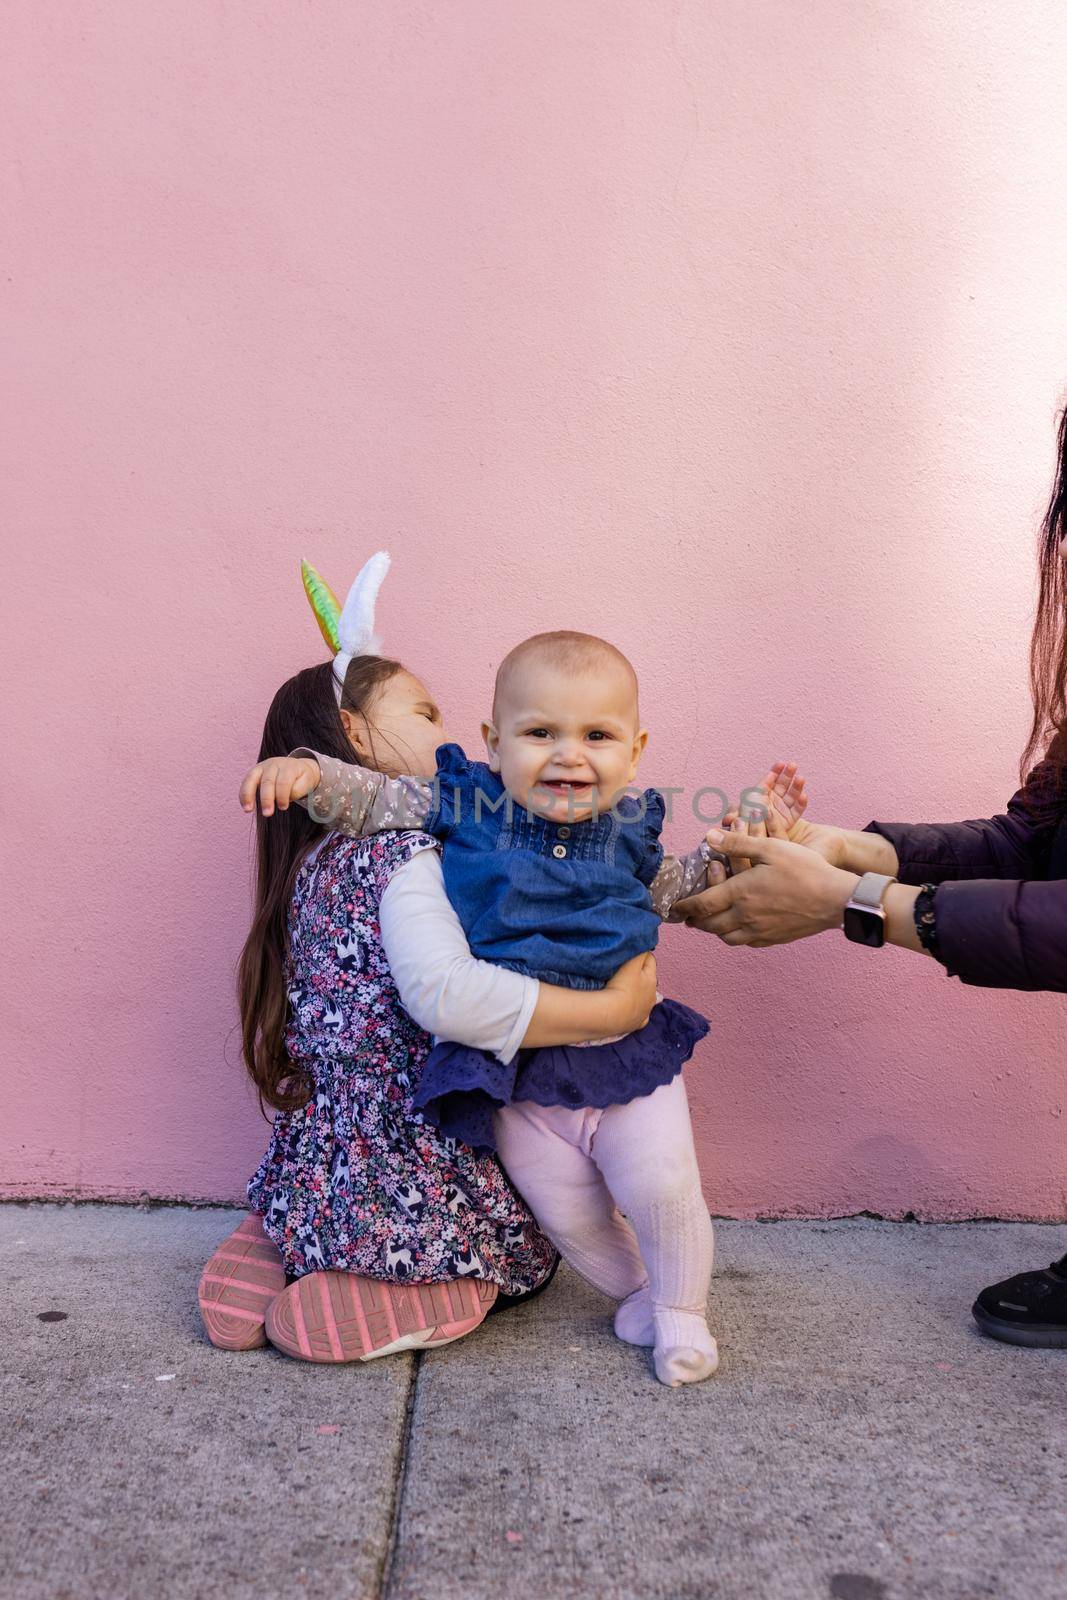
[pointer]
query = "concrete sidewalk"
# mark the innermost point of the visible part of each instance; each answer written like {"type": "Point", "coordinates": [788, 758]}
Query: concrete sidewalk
{"type": "Point", "coordinates": [860, 1442]}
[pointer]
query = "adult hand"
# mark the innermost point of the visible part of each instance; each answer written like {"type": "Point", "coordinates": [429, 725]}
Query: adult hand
{"type": "Point", "coordinates": [855, 850]}
{"type": "Point", "coordinates": [790, 892]}
{"type": "Point", "coordinates": [826, 841]}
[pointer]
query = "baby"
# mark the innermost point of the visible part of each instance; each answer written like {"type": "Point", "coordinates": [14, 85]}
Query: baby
{"type": "Point", "coordinates": [556, 871]}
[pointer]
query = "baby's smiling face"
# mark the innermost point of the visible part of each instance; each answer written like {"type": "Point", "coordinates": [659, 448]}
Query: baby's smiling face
{"type": "Point", "coordinates": [564, 741]}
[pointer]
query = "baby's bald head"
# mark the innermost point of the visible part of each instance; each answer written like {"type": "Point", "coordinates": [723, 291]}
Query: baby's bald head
{"type": "Point", "coordinates": [574, 654]}
{"type": "Point", "coordinates": [565, 735]}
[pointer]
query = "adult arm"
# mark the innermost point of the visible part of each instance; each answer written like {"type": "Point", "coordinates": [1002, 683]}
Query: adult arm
{"type": "Point", "coordinates": [1015, 844]}
{"type": "Point", "coordinates": [998, 926]}
{"type": "Point", "coordinates": [453, 995]}
{"type": "Point", "coordinates": [788, 892]}
{"type": "Point", "coordinates": [991, 933]}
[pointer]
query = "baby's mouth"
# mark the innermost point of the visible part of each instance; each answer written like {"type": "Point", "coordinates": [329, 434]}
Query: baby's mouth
{"type": "Point", "coordinates": [564, 785]}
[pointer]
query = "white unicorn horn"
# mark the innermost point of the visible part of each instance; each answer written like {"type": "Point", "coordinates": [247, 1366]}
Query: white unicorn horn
{"type": "Point", "coordinates": [355, 628]}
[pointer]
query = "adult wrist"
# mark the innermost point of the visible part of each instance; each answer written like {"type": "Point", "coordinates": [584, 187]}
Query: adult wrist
{"type": "Point", "coordinates": [868, 852]}
{"type": "Point", "coordinates": [873, 851]}
{"type": "Point", "coordinates": [839, 892]}
{"type": "Point", "coordinates": [924, 912]}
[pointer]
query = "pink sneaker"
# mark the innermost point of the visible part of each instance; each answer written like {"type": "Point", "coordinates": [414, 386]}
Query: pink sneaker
{"type": "Point", "coordinates": [238, 1284]}
{"type": "Point", "coordinates": [340, 1316]}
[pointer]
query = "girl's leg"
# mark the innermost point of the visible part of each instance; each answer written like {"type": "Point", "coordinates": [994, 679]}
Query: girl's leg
{"type": "Point", "coordinates": [545, 1152]}
{"type": "Point", "coordinates": [645, 1151]}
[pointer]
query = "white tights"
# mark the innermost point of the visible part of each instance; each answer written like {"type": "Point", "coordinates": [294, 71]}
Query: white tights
{"type": "Point", "coordinates": [575, 1169]}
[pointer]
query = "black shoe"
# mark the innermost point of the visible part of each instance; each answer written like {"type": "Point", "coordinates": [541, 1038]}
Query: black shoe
{"type": "Point", "coordinates": [504, 1302]}
{"type": "Point", "coordinates": [1030, 1308]}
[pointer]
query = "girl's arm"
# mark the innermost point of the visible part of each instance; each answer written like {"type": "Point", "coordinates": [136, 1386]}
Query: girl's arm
{"type": "Point", "coordinates": [572, 1016]}
{"type": "Point", "coordinates": [452, 994]}
{"type": "Point", "coordinates": [355, 800]}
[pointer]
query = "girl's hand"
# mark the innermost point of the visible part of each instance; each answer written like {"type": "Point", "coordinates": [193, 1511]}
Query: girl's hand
{"type": "Point", "coordinates": [634, 989]}
{"type": "Point", "coordinates": [279, 781]}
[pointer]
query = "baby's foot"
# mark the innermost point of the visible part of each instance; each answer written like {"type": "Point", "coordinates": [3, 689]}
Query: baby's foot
{"type": "Point", "coordinates": [685, 1351]}
{"type": "Point", "coordinates": [633, 1318]}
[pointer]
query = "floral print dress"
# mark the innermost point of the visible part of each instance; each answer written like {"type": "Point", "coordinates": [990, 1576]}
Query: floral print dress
{"type": "Point", "coordinates": [356, 1180]}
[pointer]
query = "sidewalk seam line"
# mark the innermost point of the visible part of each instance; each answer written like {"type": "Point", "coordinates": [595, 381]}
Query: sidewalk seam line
{"type": "Point", "coordinates": [396, 1507]}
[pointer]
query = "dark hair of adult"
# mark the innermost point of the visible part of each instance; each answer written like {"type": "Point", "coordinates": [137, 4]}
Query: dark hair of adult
{"type": "Point", "coordinates": [1048, 646]}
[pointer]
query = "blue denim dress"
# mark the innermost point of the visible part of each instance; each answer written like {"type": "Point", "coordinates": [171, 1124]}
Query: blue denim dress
{"type": "Point", "coordinates": [565, 902]}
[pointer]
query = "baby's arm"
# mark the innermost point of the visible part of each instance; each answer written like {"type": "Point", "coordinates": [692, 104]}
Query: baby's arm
{"type": "Point", "coordinates": [680, 876]}
{"type": "Point", "coordinates": [355, 800]}
{"type": "Point", "coordinates": [452, 994]}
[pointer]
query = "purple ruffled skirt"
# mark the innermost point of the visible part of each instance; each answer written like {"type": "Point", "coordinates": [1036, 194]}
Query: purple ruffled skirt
{"type": "Point", "coordinates": [460, 1088]}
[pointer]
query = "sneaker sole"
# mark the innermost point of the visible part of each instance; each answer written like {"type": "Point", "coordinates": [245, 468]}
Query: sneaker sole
{"type": "Point", "coordinates": [340, 1316]}
{"type": "Point", "coordinates": [237, 1286]}
{"type": "Point", "coordinates": [1036, 1335]}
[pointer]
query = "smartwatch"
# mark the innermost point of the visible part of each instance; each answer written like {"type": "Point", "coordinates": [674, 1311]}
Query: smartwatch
{"type": "Point", "coordinates": [864, 921]}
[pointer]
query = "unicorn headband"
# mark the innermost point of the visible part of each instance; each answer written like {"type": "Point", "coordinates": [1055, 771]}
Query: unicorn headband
{"type": "Point", "coordinates": [348, 630]}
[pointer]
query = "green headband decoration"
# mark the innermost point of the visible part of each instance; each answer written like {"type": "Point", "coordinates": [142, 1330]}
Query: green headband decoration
{"type": "Point", "coordinates": [348, 629]}
{"type": "Point", "coordinates": [324, 603]}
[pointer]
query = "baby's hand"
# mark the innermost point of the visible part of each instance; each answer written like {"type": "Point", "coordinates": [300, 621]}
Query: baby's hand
{"type": "Point", "coordinates": [772, 809]}
{"type": "Point", "coordinates": [782, 792]}
{"type": "Point", "coordinates": [279, 781]}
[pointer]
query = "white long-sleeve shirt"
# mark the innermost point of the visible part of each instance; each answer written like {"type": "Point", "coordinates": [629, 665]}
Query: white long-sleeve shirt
{"type": "Point", "coordinates": [448, 991]}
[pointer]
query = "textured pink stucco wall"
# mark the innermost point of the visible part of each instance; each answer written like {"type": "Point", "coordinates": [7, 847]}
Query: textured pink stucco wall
{"type": "Point", "coordinates": [733, 332]}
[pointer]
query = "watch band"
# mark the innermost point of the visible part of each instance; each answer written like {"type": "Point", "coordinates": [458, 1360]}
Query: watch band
{"type": "Point", "coordinates": [870, 890]}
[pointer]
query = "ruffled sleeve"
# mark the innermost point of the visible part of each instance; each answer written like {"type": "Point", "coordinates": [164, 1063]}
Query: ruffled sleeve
{"type": "Point", "coordinates": [451, 789]}
{"type": "Point", "coordinates": [649, 828]}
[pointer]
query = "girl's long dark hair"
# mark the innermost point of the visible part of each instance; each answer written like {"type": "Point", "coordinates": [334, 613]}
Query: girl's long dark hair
{"type": "Point", "coordinates": [303, 712]}
{"type": "Point", "coordinates": [1048, 646]}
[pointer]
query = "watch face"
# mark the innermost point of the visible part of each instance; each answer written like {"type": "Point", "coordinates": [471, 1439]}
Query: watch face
{"type": "Point", "coordinates": [864, 927]}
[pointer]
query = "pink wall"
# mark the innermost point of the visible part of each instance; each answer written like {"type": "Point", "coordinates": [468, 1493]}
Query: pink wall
{"type": "Point", "coordinates": [733, 332]}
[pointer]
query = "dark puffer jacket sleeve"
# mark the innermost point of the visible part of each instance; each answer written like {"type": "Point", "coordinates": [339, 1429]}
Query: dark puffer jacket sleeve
{"type": "Point", "coordinates": [1000, 924]}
